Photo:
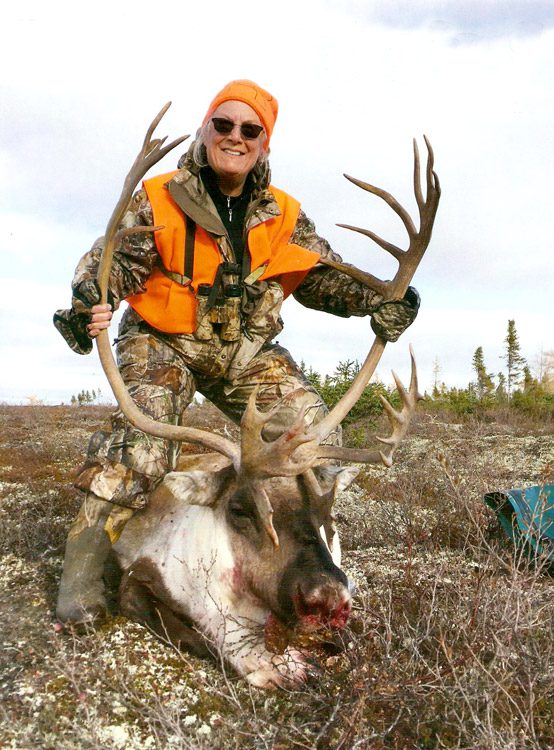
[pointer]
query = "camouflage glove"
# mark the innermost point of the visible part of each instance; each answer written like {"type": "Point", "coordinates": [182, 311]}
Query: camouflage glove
{"type": "Point", "coordinates": [72, 324]}
{"type": "Point", "coordinates": [392, 318]}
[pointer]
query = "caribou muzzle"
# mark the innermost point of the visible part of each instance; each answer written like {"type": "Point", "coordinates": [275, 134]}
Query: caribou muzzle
{"type": "Point", "coordinates": [314, 592]}
{"type": "Point", "coordinates": [317, 605]}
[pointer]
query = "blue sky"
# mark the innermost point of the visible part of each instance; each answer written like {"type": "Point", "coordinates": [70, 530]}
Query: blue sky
{"type": "Point", "coordinates": [356, 81]}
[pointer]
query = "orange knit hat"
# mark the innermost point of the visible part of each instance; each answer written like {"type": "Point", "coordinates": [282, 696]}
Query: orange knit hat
{"type": "Point", "coordinates": [261, 101]}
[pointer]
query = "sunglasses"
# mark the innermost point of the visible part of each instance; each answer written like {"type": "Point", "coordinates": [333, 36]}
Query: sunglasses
{"type": "Point", "coordinates": [248, 130]}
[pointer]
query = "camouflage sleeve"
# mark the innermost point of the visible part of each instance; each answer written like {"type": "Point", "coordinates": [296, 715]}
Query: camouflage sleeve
{"type": "Point", "coordinates": [325, 288]}
{"type": "Point", "coordinates": [133, 262]}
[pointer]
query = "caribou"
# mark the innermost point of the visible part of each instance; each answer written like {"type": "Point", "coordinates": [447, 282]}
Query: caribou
{"type": "Point", "coordinates": [237, 553]}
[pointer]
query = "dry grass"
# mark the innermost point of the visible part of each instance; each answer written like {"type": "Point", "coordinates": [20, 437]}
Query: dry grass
{"type": "Point", "coordinates": [450, 645]}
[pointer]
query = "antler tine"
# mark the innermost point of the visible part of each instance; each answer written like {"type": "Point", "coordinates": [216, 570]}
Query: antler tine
{"type": "Point", "coordinates": [414, 387]}
{"type": "Point", "coordinates": [428, 206]}
{"type": "Point", "coordinates": [265, 511]}
{"type": "Point", "coordinates": [396, 252]}
{"type": "Point", "coordinates": [150, 153]}
{"type": "Point", "coordinates": [398, 419]}
{"type": "Point", "coordinates": [389, 200]}
{"type": "Point", "coordinates": [433, 182]}
{"type": "Point", "coordinates": [417, 179]}
{"type": "Point", "coordinates": [252, 423]}
{"type": "Point", "coordinates": [431, 156]}
{"type": "Point", "coordinates": [152, 127]}
{"type": "Point", "coordinates": [395, 417]}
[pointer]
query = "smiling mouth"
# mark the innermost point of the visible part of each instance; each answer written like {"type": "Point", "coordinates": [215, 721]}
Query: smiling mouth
{"type": "Point", "coordinates": [232, 152]}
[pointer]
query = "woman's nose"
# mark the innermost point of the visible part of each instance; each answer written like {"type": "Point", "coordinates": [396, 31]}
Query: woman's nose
{"type": "Point", "coordinates": [235, 133]}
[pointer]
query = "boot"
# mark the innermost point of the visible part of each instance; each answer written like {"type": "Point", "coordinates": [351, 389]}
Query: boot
{"type": "Point", "coordinates": [81, 596]}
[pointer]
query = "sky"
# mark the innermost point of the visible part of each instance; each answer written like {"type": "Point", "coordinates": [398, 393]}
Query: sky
{"type": "Point", "coordinates": [356, 82]}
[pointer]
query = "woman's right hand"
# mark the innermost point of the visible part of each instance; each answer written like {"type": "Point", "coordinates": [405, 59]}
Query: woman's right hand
{"type": "Point", "coordinates": [101, 316]}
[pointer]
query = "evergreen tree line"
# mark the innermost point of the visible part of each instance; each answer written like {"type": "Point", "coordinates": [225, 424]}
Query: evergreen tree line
{"type": "Point", "coordinates": [86, 397]}
{"type": "Point", "coordinates": [515, 388]}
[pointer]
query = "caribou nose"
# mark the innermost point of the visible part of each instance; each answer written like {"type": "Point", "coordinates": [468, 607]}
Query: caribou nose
{"type": "Point", "coordinates": [324, 604]}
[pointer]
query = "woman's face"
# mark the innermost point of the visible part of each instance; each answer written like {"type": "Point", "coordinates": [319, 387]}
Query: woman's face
{"type": "Point", "coordinates": [232, 156]}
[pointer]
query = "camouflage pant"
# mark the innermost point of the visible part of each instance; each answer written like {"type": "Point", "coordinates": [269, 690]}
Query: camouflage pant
{"type": "Point", "coordinates": [162, 373]}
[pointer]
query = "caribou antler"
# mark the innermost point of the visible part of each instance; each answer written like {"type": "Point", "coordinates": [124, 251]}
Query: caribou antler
{"type": "Point", "coordinates": [292, 453]}
{"type": "Point", "coordinates": [408, 261]}
{"type": "Point", "coordinates": [150, 153]}
{"type": "Point", "coordinates": [299, 448]}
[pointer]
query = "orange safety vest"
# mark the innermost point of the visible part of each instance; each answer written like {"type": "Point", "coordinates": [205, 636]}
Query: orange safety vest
{"type": "Point", "coordinates": [170, 306]}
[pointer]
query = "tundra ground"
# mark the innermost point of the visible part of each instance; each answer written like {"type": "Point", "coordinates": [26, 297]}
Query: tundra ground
{"type": "Point", "coordinates": [451, 643]}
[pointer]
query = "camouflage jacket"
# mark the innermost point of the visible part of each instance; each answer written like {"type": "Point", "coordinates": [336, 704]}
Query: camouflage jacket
{"type": "Point", "coordinates": [322, 289]}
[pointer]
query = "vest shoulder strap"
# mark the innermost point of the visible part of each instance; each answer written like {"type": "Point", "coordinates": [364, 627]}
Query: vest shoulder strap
{"type": "Point", "coordinates": [190, 235]}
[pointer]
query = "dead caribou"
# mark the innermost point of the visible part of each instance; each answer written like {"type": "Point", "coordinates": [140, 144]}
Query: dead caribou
{"type": "Point", "coordinates": [239, 549]}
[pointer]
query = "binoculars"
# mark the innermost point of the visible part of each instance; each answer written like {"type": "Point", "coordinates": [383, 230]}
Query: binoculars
{"type": "Point", "coordinates": [223, 311]}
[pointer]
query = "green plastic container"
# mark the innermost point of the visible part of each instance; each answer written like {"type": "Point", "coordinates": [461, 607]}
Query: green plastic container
{"type": "Point", "coordinates": [527, 516]}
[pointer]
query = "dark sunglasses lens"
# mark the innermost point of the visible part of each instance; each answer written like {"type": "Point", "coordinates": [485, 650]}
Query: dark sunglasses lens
{"type": "Point", "coordinates": [250, 131]}
{"type": "Point", "coordinates": [222, 125]}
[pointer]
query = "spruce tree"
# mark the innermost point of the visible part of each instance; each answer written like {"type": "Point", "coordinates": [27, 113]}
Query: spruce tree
{"type": "Point", "coordinates": [483, 385]}
{"type": "Point", "coordinates": [529, 382]}
{"type": "Point", "coordinates": [514, 361]}
{"type": "Point", "coordinates": [436, 378]}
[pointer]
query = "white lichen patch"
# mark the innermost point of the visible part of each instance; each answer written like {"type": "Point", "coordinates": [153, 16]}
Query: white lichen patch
{"type": "Point", "coordinates": [8, 490]}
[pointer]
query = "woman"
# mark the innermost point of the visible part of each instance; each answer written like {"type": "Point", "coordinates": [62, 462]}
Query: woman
{"type": "Point", "coordinates": [204, 300]}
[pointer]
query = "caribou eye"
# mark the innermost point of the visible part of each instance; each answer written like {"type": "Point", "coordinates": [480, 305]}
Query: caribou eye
{"type": "Point", "coordinates": [242, 514]}
{"type": "Point", "coordinates": [239, 511]}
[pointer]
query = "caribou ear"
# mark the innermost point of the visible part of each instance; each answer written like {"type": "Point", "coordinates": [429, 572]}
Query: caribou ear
{"type": "Point", "coordinates": [197, 487]}
{"type": "Point", "coordinates": [335, 479]}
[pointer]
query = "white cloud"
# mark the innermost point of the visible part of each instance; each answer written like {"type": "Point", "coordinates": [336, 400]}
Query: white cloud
{"type": "Point", "coordinates": [467, 21]}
